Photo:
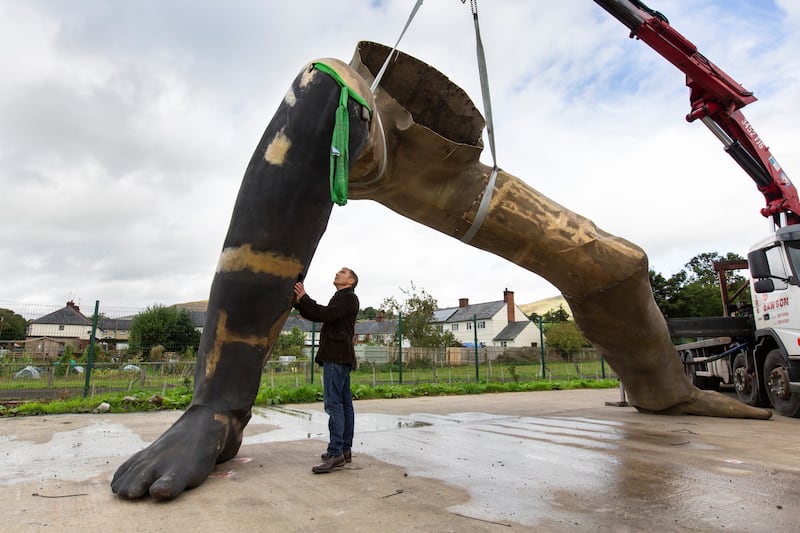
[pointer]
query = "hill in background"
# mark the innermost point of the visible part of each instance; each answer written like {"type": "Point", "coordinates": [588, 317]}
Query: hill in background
{"type": "Point", "coordinates": [199, 305]}
{"type": "Point", "coordinates": [543, 306]}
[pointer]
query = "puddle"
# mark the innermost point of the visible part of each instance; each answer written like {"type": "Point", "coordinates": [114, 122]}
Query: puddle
{"type": "Point", "coordinates": [488, 455]}
{"type": "Point", "coordinates": [293, 424]}
{"type": "Point", "coordinates": [305, 415]}
{"type": "Point", "coordinates": [69, 455]}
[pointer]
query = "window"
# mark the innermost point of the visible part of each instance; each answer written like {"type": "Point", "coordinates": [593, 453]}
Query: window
{"type": "Point", "coordinates": [454, 327]}
{"type": "Point", "coordinates": [793, 255]}
{"type": "Point", "coordinates": [61, 327]}
{"type": "Point", "coordinates": [469, 325]}
{"type": "Point", "coordinates": [504, 344]}
{"type": "Point", "coordinates": [482, 324]}
{"type": "Point", "coordinates": [776, 267]}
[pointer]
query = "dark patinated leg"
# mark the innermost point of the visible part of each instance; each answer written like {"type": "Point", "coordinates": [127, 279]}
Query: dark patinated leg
{"type": "Point", "coordinates": [175, 462]}
{"type": "Point", "coordinates": [281, 212]}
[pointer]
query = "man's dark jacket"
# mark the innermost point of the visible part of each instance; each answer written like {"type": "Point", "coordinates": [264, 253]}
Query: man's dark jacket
{"type": "Point", "coordinates": [338, 326]}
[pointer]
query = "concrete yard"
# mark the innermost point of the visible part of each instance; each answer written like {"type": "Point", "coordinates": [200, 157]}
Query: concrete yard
{"type": "Point", "coordinates": [540, 461]}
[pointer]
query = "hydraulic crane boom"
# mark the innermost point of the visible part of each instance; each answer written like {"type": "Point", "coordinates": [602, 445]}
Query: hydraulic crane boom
{"type": "Point", "coordinates": [716, 100]}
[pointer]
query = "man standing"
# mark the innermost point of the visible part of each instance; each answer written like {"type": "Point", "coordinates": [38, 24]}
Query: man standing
{"type": "Point", "coordinates": [337, 358]}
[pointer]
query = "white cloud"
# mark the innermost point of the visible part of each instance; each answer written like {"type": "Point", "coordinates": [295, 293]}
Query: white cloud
{"type": "Point", "coordinates": [127, 127]}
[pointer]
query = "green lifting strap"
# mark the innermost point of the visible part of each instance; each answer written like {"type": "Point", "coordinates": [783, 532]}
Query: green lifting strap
{"type": "Point", "coordinates": [340, 152]}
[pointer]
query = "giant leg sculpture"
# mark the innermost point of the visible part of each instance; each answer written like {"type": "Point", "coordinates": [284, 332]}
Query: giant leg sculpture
{"type": "Point", "coordinates": [280, 215]}
{"type": "Point", "coordinates": [418, 154]}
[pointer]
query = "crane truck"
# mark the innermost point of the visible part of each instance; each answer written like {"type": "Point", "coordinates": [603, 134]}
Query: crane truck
{"type": "Point", "coordinates": [755, 349]}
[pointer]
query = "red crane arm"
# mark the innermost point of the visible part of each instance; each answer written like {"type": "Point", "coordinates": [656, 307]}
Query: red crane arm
{"type": "Point", "coordinates": [716, 100]}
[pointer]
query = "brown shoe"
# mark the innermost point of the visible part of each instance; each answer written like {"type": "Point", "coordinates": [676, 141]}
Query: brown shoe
{"type": "Point", "coordinates": [331, 463]}
{"type": "Point", "coordinates": [348, 456]}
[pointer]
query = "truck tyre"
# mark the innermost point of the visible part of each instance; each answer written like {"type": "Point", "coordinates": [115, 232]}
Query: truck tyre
{"type": "Point", "coordinates": [747, 385]}
{"type": "Point", "coordinates": [776, 376]}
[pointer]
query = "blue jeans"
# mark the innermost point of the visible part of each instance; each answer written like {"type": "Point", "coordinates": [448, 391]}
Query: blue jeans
{"type": "Point", "coordinates": [338, 403]}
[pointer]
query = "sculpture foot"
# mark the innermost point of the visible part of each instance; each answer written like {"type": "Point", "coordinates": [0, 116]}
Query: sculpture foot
{"type": "Point", "coordinates": [711, 403]}
{"type": "Point", "coordinates": [181, 458]}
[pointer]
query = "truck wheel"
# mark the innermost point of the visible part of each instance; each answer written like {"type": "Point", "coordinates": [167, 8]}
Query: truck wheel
{"type": "Point", "coordinates": [776, 375]}
{"type": "Point", "coordinates": [748, 389]}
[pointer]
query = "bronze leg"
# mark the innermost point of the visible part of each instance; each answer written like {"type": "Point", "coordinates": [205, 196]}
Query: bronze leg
{"type": "Point", "coordinates": [432, 175]}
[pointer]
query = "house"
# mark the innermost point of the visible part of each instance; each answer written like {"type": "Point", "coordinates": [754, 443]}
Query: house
{"type": "Point", "coordinates": [197, 312]}
{"type": "Point", "coordinates": [114, 333]}
{"type": "Point", "coordinates": [48, 335]}
{"type": "Point", "coordinates": [310, 329]}
{"type": "Point", "coordinates": [67, 322]}
{"type": "Point", "coordinates": [379, 331]}
{"type": "Point", "coordinates": [500, 323]}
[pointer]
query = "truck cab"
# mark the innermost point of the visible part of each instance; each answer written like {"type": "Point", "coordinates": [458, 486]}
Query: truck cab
{"type": "Point", "coordinates": [774, 362]}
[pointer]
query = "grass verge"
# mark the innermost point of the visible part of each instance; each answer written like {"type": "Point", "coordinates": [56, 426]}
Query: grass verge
{"type": "Point", "coordinates": [181, 397]}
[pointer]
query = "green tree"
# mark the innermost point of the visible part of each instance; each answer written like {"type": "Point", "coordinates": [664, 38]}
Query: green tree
{"type": "Point", "coordinates": [290, 343]}
{"type": "Point", "coordinates": [166, 326]}
{"type": "Point", "coordinates": [700, 268]}
{"type": "Point", "coordinates": [666, 292]}
{"type": "Point", "coordinates": [100, 354]}
{"type": "Point", "coordinates": [367, 314]}
{"type": "Point", "coordinates": [567, 339]}
{"type": "Point", "coordinates": [66, 361]}
{"type": "Point", "coordinates": [695, 291]}
{"type": "Point", "coordinates": [556, 315]}
{"type": "Point", "coordinates": [12, 326]}
{"type": "Point", "coordinates": [448, 340]}
{"type": "Point", "coordinates": [417, 308]}
{"type": "Point", "coordinates": [157, 353]}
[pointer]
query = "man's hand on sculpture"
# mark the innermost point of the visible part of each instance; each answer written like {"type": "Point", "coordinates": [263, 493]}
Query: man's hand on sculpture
{"type": "Point", "coordinates": [299, 290]}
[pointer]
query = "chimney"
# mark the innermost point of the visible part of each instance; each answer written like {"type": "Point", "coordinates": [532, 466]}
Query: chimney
{"type": "Point", "coordinates": [463, 302]}
{"type": "Point", "coordinates": [508, 298]}
{"type": "Point", "coordinates": [72, 305]}
{"type": "Point", "coordinates": [379, 316]}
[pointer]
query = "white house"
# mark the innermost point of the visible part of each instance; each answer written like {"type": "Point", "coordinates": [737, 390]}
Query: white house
{"type": "Point", "coordinates": [501, 323]}
{"type": "Point", "coordinates": [68, 322]}
{"type": "Point", "coordinates": [48, 334]}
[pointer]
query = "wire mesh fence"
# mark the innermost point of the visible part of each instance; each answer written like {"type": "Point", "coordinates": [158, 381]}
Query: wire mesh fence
{"type": "Point", "coordinates": [51, 352]}
{"type": "Point", "coordinates": [20, 381]}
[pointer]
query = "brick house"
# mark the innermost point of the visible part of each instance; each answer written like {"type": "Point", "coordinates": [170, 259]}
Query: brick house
{"type": "Point", "coordinates": [499, 323]}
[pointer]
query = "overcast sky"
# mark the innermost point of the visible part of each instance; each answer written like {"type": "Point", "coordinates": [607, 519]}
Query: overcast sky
{"type": "Point", "coordinates": [126, 128]}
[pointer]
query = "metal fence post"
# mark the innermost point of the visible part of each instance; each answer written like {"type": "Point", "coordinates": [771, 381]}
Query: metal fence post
{"type": "Point", "coordinates": [313, 345]}
{"type": "Point", "coordinates": [541, 343]}
{"type": "Point", "coordinates": [400, 338]}
{"type": "Point", "coordinates": [475, 337]}
{"type": "Point", "coordinates": [90, 358]}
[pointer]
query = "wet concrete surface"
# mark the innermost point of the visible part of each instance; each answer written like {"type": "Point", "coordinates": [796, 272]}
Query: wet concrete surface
{"type": "Point", "coordinates": [543, 461]}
